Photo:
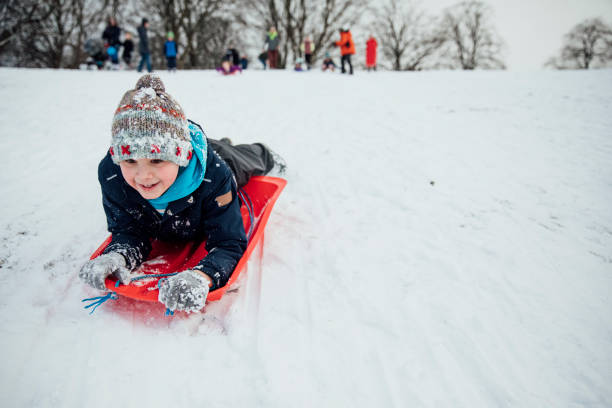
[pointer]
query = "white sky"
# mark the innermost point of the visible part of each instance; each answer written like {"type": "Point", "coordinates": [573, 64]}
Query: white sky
{"type": "Point", "coordinates": [533, 29]}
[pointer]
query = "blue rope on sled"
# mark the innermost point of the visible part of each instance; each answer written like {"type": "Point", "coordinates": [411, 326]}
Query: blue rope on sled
{"type": "Point", "coordinates": [99, 300]}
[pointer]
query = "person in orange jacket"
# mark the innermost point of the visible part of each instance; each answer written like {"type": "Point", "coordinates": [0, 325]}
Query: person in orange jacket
{"type": "Point", "coordinates": [347, 48]}
{"type": "Point", "coordinates": [371, 45]}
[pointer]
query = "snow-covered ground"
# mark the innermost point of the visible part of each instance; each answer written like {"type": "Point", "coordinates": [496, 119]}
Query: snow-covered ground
{"type": "Point", "coordinates": [444, 240]}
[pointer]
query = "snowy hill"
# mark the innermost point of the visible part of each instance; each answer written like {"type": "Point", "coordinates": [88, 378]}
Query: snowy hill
{"type": "Point", "coordinates": [445, 240]}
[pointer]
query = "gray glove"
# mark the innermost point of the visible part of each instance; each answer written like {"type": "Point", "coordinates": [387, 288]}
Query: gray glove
{"type": "Point", "coordinates": [184, 291]}
{"type": "Point", "coordinates": [95, 271]}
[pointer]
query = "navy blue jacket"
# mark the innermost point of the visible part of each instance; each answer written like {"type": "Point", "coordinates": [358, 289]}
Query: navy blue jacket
{"type": "Point", "coordinates": [133, 222]}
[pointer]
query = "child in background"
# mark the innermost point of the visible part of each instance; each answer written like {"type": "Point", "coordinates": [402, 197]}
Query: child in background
{"type": "Point", "coordinates": [244, 62]}
{"type": "Point", "coordinates": [227, 68]}
{"type": "Point", "coordinates": [170, 51]}
{"type": "Point", "coordinates": [263, 58]}
{"type": "Point", "coordinates": [298, 65]}
{"type": "Point", "coordinates": [232, 55]}
{"type": "Point", "coordinates": [128, 47]}
{"type": "Point", "coordinates": [163, 179]}
{"type": "Point", "coordinates": [95, 49]}
{"type": "Point", "coordinates": [308, 48]}
{"type": "Point", "coordinates": [328, 63]}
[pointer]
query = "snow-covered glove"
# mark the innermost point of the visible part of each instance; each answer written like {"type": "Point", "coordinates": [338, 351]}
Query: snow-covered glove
{"type": "Point", "coordinates": [184, 291]}
{"type": "Point", "coordinates": [95, 271]}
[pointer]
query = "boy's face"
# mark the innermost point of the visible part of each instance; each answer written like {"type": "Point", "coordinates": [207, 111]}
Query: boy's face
{"type": "Point", "coordinates": [150, 177]}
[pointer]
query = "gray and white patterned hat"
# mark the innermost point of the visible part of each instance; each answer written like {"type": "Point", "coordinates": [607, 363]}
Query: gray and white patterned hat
{"type": "Point", "coordinates": [150, 124]}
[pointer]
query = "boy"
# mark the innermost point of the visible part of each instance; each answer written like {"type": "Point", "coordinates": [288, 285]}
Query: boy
{"type": "Point", "coordinates": [128, 47]}
{"type": "Point", "coordinates": [170, 50]}
{"type": "Point", "coordinates": [163, 179]}
{"type": "Point", "coordinates": [328, 63]}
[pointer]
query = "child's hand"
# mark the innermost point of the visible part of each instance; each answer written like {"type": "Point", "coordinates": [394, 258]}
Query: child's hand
{"type": "Point", "coordinates": [185, 291]}
{"type": "Point", "coordinates": [95, 271]}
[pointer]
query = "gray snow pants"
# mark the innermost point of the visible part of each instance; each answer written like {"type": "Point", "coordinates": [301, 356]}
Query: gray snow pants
{"type": "Point", "coordinates": [245, 160]}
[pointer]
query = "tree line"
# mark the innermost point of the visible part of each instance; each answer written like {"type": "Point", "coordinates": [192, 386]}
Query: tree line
{"type": "Point", "coordinates": [52, 33]}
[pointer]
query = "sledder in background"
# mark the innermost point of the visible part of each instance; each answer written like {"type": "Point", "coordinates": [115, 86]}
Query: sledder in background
{"type": "Point", "coordinates": [162, 179]}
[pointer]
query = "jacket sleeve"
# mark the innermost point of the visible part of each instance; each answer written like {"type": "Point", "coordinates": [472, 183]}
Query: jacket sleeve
{"type": "Point", "coordinates": [128, 239]}
{"type": "Point", "coordinates": [225, 237]}
{"type": "Point", "coordinates": [128, 236]}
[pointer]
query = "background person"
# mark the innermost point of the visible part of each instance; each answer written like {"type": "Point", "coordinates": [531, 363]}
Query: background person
{"type": "Point", "coordinates": [143, 46]}
{"type": "Point", "coordinates": [347, 48]}
{"type": "Point", "coordinates": [272, 41]}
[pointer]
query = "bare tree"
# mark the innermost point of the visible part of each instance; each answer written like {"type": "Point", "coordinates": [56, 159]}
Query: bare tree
{"type": "Point", "coordinates": [587, 45]}
{"type": "Point", "coordinates": [294, 19]}
{"type": "Point", "coordinates": [15, 14]}
{"type": "Point", "coordinates": [202, 28]}
{"type": "Point", "coordinates": [406, 35]}
{"type": "Point", "coordinates": [471, 40]}
{"type": "Point", "coordinates": [48, 41]}
{"type": "Point", "coordinates": [49, 33]}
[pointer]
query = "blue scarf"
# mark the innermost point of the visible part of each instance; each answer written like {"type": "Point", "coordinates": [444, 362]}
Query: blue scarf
{"type": "Point", "coordinates": [189, 178]}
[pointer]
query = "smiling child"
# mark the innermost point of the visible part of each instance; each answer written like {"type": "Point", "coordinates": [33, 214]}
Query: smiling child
{"type": "Point", "coordinates": [163, 179]}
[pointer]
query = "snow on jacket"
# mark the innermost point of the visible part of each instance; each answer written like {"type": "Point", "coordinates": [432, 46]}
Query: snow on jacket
{"type": "Point", "coordinates": [346, 44]}
{"type": "Point", "coordinates": [371, 45]}
{"type": "Point", "coordinates": [133, 222]}
{"type": "Point", "coordinates": [143, 40]}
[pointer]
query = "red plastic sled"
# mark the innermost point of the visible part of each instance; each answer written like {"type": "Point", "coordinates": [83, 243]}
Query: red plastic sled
{"type": "Point", "coordinates": [168, 258]}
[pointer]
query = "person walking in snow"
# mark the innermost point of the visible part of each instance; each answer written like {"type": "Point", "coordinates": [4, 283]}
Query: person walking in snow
{"type": "Point", "coordinates": [112, 43]}
{"type": "Point", "coordinates": [347, 48]}
{"type": "Point", "coordinates": [371, 46]}
{"type": "Point", "coordinates": [143, 46]}
{"type": "Point", "coordinates": [272, 42]}
{"type": "Point", "coordinates": [162, 178]}
{"type": "Point", "coordinates": [170, 51]}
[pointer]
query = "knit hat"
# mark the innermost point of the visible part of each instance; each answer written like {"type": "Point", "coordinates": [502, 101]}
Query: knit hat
{"type": "Point", "coordinates": [150, 124]}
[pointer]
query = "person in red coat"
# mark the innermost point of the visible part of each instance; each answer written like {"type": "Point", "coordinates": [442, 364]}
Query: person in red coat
{"type": "Point", "coordinates": [347, 48]}
{"type": "Point", "coordinates": [371, 45]}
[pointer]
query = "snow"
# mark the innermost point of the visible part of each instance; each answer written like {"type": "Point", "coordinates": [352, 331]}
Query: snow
{"type": "Point", "coordinates": [444, 240]}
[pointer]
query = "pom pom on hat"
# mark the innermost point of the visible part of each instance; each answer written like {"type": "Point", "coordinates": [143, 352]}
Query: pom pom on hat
{"type": "Point", "coordinates": [150, 124]}
{"type": "Point", "coordinates": [151, 81]}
